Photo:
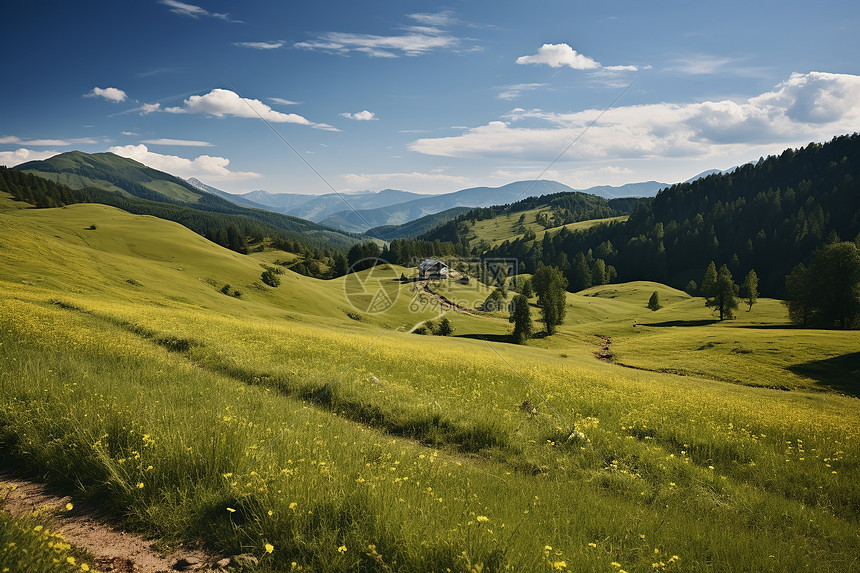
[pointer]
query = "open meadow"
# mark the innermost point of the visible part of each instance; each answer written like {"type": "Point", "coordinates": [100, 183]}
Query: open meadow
{"type": "Point", "coordinates": [288, 424]}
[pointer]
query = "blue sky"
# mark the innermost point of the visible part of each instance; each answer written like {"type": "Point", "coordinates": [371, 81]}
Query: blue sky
{"type": "Point", "coordinates": [426, 97]}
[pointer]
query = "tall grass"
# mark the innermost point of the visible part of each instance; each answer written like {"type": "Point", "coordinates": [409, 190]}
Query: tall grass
{"type": "Point", "coordinates": [265, 434]}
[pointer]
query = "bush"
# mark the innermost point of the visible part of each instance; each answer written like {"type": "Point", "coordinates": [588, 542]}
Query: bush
{"type": "Point", "coordinates": [270, 278]}
{"type": "Point", "coordinates": [445, 327]}
{"type": "Point", "coordinates": [654, 301]}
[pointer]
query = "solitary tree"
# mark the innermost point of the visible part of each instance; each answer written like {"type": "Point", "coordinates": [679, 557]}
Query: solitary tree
{"type": "Point", "coordinates": [521, 316]}
{"type": "Point", "coordinates": [551, 287]}
{"type": "Point", "coordinates": [654, 301]}
{"type": "Point", "coordinates": [724, 295]}
{"type": "Point", "coordinates": [709, 281]}
{"type": "Point", "coordinates": [750, 288]}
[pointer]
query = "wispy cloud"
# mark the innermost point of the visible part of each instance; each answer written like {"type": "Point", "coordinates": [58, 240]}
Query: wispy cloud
{"type": "Point", "coordinates": [805, 107]}
{"type": "Point", "coordinates": [261, 45]}
{"type": "Point", "coordinates": [282, 101]}
{"type": "Point", "coordinates": [203, 167]}
{"type": "Point", "coordinates": [193, 11]}
{"type": "Point", "coordinates": [562, 55]}
{"type": "Point", "coordinates": [360, 116]}
{"type": "Point", "coordinates": [11, 139]}
{"type": "Point", "coordinates": [710, 65]}
{"type": "Point", "coordinates": [429, 35]}
{"type": "Point", "coordinates": [514, 91]}
{"type": "Point", "coordinates": [114, 95]}
{"type": "Point", "coordinates": [178, 142]}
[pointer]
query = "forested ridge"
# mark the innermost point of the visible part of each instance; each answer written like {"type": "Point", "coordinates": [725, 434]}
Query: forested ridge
{"type": "Point", "coordinates": [769, 216]}
{"type": "Point", "coordinates": [228, 227]}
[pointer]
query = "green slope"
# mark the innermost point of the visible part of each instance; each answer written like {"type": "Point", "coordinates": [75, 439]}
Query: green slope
{"type": "Point", "coordinates": [112, 173]}
{"type": "Point", "coordinates": [278, 426]}
{"type": "Point", "coordinates": [128, 184]}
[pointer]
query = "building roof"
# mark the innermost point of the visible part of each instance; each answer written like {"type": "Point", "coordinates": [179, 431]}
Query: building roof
{"type": "Point", "coordinates": [430, 263]}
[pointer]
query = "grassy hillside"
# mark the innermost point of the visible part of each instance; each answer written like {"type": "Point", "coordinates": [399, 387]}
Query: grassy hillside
{"type": "Point", "coordinates": [277, 425]}
{"type": "Point", "coordinates": [110, 172]}
{"type": "Point", "coordinates": [414, 228]}
{"type": "Point", "coordinates": [130, 185]}
{"type": "Point", "coordinates": [508, 227]}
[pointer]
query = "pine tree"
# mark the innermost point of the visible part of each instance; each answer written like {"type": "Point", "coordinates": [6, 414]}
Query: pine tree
{"type": "Point", "coordinates": [654, 301]}
{"type": "Point", "coordinates": [750, 288]}
{"type": "Point", "coordinates": [521, 317]}
{"type": "Point", "coordinates": [551, 288]}
{"type": "Point", "coordinates": [526, 289]}
{"type": "Point", "coordinates": [724, 295]}
{"type": "Point", "coordinates": [709, 281]}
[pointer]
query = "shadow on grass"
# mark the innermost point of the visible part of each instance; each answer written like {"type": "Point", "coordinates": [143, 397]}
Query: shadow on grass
{"type": "Point", "coordinates": [487, 337]}
{"type": "Point", "coordinates": [841, 373]}
{"type": "Point", "coordinates": [703, 322]}
{"type": "Point", "coordinates": [768, 326]}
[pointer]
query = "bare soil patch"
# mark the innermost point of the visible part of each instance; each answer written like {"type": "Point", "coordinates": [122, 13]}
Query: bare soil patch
{"type": "Point", "coordinates": [113, 550]}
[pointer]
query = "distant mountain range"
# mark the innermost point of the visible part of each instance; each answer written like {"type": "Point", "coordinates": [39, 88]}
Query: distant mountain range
{"type": "Point", "coordinates": [360, 212]}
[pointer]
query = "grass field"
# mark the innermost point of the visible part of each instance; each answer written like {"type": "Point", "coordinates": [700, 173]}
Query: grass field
{"type": "Point", "coordinates": [276, 424]}
{"type": "Point", "coordinates": [507, 227]}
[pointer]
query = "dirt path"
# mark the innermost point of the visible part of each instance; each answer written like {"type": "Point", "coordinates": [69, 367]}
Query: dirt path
{"type": "Point", "coordinates": [114, 551]}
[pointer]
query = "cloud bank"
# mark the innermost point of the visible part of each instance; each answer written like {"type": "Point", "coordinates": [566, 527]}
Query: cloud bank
{"type": "Point", "coordinates": [812, 106]}
{"type": "Point", "coordinates": [204, 167]}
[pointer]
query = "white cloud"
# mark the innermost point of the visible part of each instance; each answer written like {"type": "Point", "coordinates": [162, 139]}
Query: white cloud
{"type": "Point", "coordinates": [46, 142]}
{"type": "Point", "coordinates": [129, 133]}
{"type": "Point", "coordinates": [559, 55]}
{"type": "Point", "coordinates": [22, 155]}
{"type": "Point", "coordinates": [360, 116]}
{"type": "Point", "coordinates": [813, 106]}
{"type": "Point", "coordinates": [325, 127]}
{"type": "Point", "coordinates": [193, 11]}
{"type": "Point", "coordinates": [179, 142]}
{"type": "Point", "coordinates": [202, 166]}
{"type": "Point", "coordinates": [514, 91]}
{"type": "Point", "coordinates": [114, 95]}
{"type": "Point", "coordinates": [149, 108]}
{"type": "Point", "coordinates": [222, 103]}
{"type": "Point", "coordinates": [260, 45]}
{"type": "Point", "coordinates": [282, 101]}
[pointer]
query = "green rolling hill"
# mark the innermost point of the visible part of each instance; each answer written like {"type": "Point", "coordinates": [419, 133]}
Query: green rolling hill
{"type": "Point", "coordinates": [130, 185]}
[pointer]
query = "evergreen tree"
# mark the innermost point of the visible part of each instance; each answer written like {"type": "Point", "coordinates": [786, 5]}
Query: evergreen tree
{"type": "Point", "coordinates": [724, 295]}
{"type": "Point", "coordinates": [551, 287]}
{"type": "Point", "coordinates": [526, 289]}
{"type": "Point", "coordinates": [835, 282]}
{"type": "Point", "coordinates": [709, 281]}
{"type": "Point", "coordinates": [799, 295]}
{"type": "Point", "coordinates": [750, 288]}
{"type": "Point", "coordinates": [521, 317]}
{"type": "Point", "coordinates": [654, 301]}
